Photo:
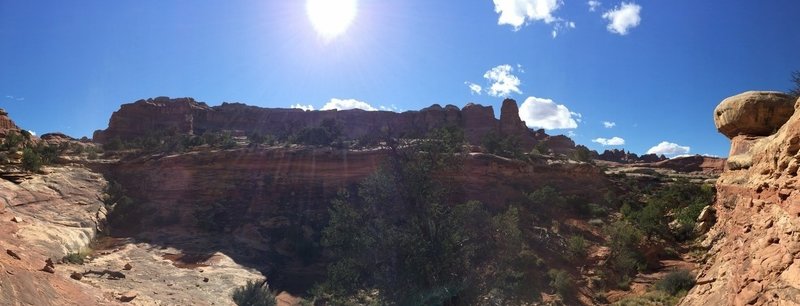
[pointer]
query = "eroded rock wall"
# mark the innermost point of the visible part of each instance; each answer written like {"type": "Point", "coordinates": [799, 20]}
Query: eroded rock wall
{"type": "Point", "coordinates": [187, 116]}
{"type": "Point", "coordinates": [754, 255]}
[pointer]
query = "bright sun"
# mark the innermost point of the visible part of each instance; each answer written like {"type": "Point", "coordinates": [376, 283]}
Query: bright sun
{"type": "Point", "coordinates": [331, 17]}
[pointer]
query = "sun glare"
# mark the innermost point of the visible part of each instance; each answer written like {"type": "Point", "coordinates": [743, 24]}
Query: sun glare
{"type": "Point", "coordinates": [331, 18]}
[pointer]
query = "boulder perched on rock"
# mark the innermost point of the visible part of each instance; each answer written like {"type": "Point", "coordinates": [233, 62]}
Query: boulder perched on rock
{"type": "Point", "coordinates": [6, 124]}
{"type": "Point", "coordinates": [753, 113]}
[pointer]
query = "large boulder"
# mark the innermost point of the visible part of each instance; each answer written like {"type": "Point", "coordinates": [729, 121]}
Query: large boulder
{"type": "Point", "coordinates": [753, 113]}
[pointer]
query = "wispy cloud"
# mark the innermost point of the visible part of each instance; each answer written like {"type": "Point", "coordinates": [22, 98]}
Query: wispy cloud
{"type": "Point", "coordinates": [668, 148]}
{"type": "Point", "coordinates": [474, 89]}
{"type": "Point", "coordinates": [344, 104]}
{"type": "Point", "coordinates": [547, 114]}
{"type": "Point", "coordinates": [503, 81]}
{"type": "Point", "coordinates": [593, 5]}
{"type": "Point", "coordinates": [613, 141]}
{"type": "Point", "coordinates": [13, 98]}
{"type": "Point", "coordinates": [609, 124]}
{"type": "Point", "coordinates": [623, 18]}
{"type": "Point", "coordinates": [391, 108]}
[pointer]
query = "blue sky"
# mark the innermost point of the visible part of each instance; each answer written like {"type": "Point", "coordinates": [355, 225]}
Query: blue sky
{"type": "Point", "coordinates": [67, 67]}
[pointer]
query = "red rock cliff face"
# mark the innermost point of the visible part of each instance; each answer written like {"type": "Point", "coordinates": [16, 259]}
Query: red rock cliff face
{"type": "Point", "coordinates": [6, 124]}
{"type": "Point", "coordinates": [184, 115]}
{"type": "Point", "coordinates": [754, 255]}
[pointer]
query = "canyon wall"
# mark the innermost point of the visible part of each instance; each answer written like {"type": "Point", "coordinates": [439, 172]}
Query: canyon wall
{"type": "Point", "coordinates": [754, 248]}
{"type": "Point", "coordinates": [187, 116]}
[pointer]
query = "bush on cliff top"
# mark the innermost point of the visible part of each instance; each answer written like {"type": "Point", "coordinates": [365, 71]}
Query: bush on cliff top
{"type": "Point", "coordinates": [254, 293]}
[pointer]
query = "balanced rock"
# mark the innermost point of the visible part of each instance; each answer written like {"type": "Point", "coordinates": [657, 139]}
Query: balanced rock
{"type": "Point", "coordinates": [753, 113]}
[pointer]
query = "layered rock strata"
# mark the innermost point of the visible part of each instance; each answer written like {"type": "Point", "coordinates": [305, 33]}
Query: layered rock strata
{"type": "Point", "coordinates": [754, 256]}
{"type": "Point", "coordinates": [187, 116]}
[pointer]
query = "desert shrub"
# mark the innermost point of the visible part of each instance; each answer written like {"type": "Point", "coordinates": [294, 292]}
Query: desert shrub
{"type": "Point", "coordinates": [31, 160]}
{"type": "Point", "coordinates": [581, 154]}
{"type": "Point", "coordinates": [541, 148]}
{"type": "Point", "coordinates": [561, 282]}
{"type": "Point", "coordinates": [577, 247]}
{"type": "Point", "coordinates": [596, 210]}
{"type": "Point", "coordinates": [676, 282]}
{"type": "Point", "coordinates": [626, 259]}
{"type": "Point", "coordinates": [653, 298]}
{"type": "Point", "coordinates": [323, 135]}
{"type": "Point", "coordinates": [547, 196]}
{"type": "Point", "coordinates": [213, 218]}
{"type": "Point", "coordinates": [75, 258]}
{"type": "Point", "coordinates": [47, 153]}
{"type": "Point", "coordinates": [12, 141]}
{"type": "Point", "coordinates": [114, 144]}
{"type": "Point", "coordinates": [502, 145]}
{"type": "Point", "coordinates": [254, 293]}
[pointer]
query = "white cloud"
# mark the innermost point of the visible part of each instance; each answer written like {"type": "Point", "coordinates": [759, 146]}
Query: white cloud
{"type": "Point", "coordinates": [571, 134]}
{"type": "Point", "coordinates": [593, 5]}
{"type": "Point", "coordinates": [13, 98]}
{"type": "Point", "coordinates": [623, 18]}
{"type": "Point", "coordinates": [504, 82]}
{"type": "Point", "coordinates": [613, 141]}
{"type": "Point", "coordinates": [343, 104]}
{"type": "Point", "coordinates": [609, 124]}
{"type": "Point", "coordinates": [303, 107]}
{"type": "Point", "coordinates": [516, 13]}
{"type": "Point", "coordinates": [391, 108]}
{"type": "Point", "coordinates": [546, 114]}
{"type": "Point", "coordinates": [668, 148]}
{"type": "Point", "coordinates": [475, 89]}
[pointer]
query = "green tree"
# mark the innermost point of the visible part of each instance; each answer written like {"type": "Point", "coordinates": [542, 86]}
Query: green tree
{"type": "Point", "coordinates": [31, 161]}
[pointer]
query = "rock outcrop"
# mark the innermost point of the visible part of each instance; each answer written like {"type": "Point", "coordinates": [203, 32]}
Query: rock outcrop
{"type": "Point", "coordinates": [6, 124]}
{"type": "Point", "coordinates": [754, 255]}
{"type": "Point", "coordinates": [620, 156]}
{"type": "Point", "coordinates": [753, 113]}
{"type": "Point", "coordinates": [187, 116]}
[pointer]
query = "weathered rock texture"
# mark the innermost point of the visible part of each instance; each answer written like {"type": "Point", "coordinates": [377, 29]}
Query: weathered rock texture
{"type": "Point", "coordinates": [754, 113]}
{"type": "Point", "coordinates": [186, 116]}
{"type": "Point", "coordinates": [754, 255]}
{"type": "Point", "coordinates": [6, 124]}
{"type": "Point", "coordinates": [47, 216]}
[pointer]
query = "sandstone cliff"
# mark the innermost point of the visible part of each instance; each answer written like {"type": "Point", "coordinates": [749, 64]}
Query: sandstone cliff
{"type": "Point", "coordinates": [6, 124]}
{"type": "Point", "coordinates": [187, 116]}
{"type": "Point", "coordinates": [755, 245]}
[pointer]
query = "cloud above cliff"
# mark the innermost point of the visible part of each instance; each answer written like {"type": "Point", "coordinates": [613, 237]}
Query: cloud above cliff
{"type": "Point", "coordinates": [517, 13]}
{"type": "Point", "coordinates": [547, 114]}
{"type": "Point", "coordinates": [669, 148]}
{"type": "Point", "coordinates": [344, 104]}
{"type": "Point", "coordinates": [613, 141]}
{"type": "Point", "coordinates": [474, 89]}
{"type": "Point", "coordinates": [503, 81]}
{"type": "Point", "coordinates": [623, 18]}
{"type": "Point", "coordinates": [303, 107]}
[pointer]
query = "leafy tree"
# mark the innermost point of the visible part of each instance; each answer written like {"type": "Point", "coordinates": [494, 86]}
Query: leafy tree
{"type": "Point", "coordinates": [12, 141]}
{"type": "Point", "coordinates": [396, 232]}
{"type": "Point", "coordinates": [625, 259]}
{"type": "Point", "coordinates": [31, 161]}
{"type": "Point", "coordinates": [502, 145]}
{"type": "Point", "coordinates": [547, 196]}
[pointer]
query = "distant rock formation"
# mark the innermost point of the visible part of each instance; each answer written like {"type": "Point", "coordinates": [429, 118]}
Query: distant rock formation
{"type": "Point", "coordinates": [620, 156]}
{"type": "Point", "coordinates": [6, 124]}
{"type": "Point", "coordinates": [187, 116]}
{"type": "Point", "coordinates": [754, 255]}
